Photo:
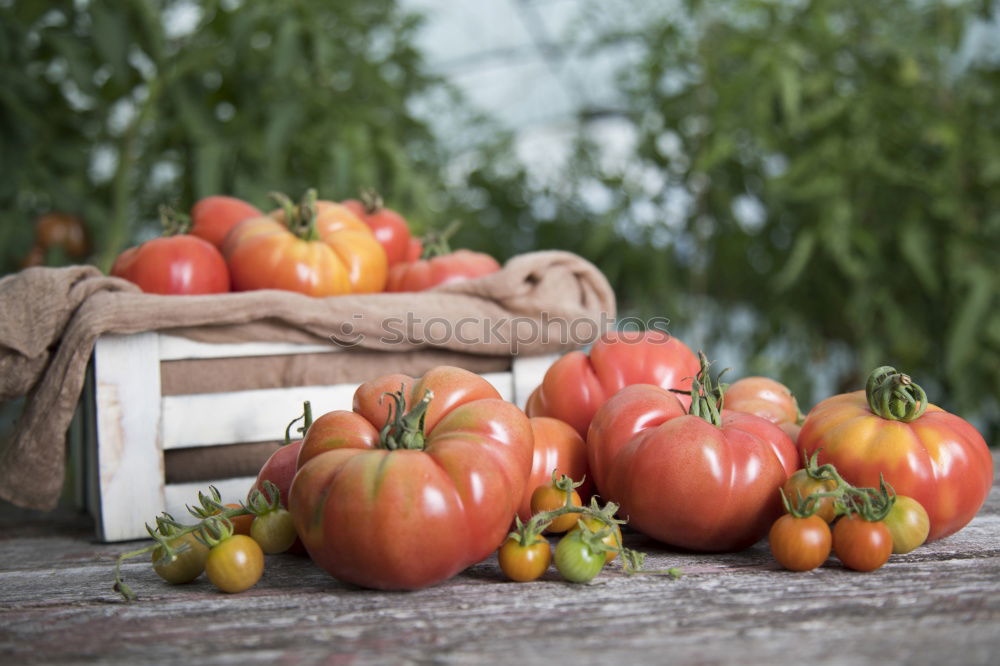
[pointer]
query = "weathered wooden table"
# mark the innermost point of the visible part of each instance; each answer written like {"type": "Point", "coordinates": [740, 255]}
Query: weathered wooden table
{"type": "Point", "coordinates": [939, 604]}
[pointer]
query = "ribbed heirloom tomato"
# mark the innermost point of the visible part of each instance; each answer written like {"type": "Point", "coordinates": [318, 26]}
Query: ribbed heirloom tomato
{"type": "Point", "coordinates": [924, 452]}
{"type": "Point", "coordinates": [577, 384]}
{"type": "Point", "coordinates": [420, 481]}
{"type": "Point", "coordinates": [318, 248]}
{"type": "Point", "coordinates": [702, 480]}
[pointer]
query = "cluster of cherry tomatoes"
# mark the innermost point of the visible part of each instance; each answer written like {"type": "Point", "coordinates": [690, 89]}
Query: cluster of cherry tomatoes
{"type": "Point", "coordinates": [227, 544]}
{"type": "Point", "coordinates": [592, 535]}
{"type": "Point", "coordinates": [315, 247]}
{"type": "Point", "coordinates": [868, 524]}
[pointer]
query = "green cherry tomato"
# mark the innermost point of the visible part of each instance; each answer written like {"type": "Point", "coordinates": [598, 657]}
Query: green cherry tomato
{"type": "Point", "coordinates": [274, 531]}
{"type": "Point", "coordinates": [595, 524]}
{"type": "Point", "coordinates": [576, 560]}
{"type": "Point", "coordinates": [860, 544]}
{"type": "Point", "coordinates": [187, 566]}
{"type": "Point", "coordinates": [800, 544]}
{"type": "Point", "coordinates": [549, 498]}
{"type": "Point", "coordinates": [908, 524]}
{"type": "Point", "coordinates": [235, 564]}
{"type": "Point", "coordinates": [524, 563]}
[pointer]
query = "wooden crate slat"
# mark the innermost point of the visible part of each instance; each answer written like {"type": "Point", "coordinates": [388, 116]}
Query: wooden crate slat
{"type": "Point", "coordinates": [260, 415]}
{"type": "Point", "coordinates": [129, 459]}
{"type": "Point", "coordinates": [528, 372]}
{"type": "Point", "coordinates": [211, 419]}
{"type": "Point", "coordinates": [175, 348]}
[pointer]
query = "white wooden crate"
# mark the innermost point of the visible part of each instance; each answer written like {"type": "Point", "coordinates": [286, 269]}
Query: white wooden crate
{"type": "Point", "coordinates": [127, 424]}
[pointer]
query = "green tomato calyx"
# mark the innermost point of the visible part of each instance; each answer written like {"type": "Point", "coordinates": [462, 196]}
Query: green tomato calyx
{"type": "Point", "coordinates": [300, 219]}
{"type": "Point", "coordinates": [405, 429]}
{"type": "Point", "coordinates": [894, 395]}
{"type": "Point", "coordinates": [706, 396]}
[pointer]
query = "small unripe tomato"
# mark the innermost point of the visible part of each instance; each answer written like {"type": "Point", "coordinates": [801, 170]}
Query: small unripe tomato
{"type": "Point", "coordinates": [188, 564]}
{"type": "Point", "coordinates": [235, 564]}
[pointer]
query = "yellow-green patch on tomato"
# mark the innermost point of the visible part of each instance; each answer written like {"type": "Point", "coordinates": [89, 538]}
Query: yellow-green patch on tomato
{"type": "Point", "coordinates": [908, 524]}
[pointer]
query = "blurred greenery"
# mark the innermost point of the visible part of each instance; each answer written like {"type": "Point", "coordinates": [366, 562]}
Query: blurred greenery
{"type": "Point", "coordinates": [810, 188]}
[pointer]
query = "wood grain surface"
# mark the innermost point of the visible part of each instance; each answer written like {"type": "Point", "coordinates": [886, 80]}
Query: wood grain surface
{"type": "Point", "coordinates": [937, 605]}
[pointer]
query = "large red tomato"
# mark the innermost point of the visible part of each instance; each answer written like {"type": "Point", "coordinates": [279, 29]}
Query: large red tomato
{"type": "Point", "coordinates": [389, 227]}
{"type": "Point", "coordinates": [924, 452]}
{"type": "Point", "coordinates": [181, 264]}
{"type": "Point", "coordinates": [557, 447]}
{"type": "Point", "coordinates": [768, 399]}
{"type": "Point", "coordinates": [407, 491]}
{"type": "Point", "coordinates": [212, 217]}
{"type": "Point", "coordinates": [319, 248]}
{"type": "Point", "coordinates": [426, 273]}
{"type": "Point", "coordinates": [685, 480]}
{"type": "Point", "coordinates": [577, 384]}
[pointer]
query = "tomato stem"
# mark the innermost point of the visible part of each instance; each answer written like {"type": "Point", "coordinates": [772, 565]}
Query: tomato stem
{"type": "Point", "coordinates": [301, 219]}
{"type": "Point", "coordinates": [173, 222]}
{"type": "Point", "coordinates": [436, 242]}
{"type": "Point", "coordinates": [894, 396]}
{"type": "Point", "coordinates": [371, 200]}
{"type": "Point", "coordinates": [405, 429]}
{"type": "Point", "coordinates": [706, 397]}
{"type": "Point", "coordinates": [306, 417]}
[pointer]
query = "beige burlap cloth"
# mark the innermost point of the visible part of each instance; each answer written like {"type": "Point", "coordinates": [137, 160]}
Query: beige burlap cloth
{"type": "Point", "coordinates": [49, 319]}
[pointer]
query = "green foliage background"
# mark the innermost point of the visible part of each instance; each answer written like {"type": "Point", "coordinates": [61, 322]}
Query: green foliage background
{"type": "Point", "coordinates": [813, 187]}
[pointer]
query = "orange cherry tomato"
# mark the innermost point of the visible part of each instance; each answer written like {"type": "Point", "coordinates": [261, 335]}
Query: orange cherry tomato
{"type": "Point", "coordinates": [800, 544]}
{"type": "Point", "coordinates": [550, 498]}
{"type": "Point", "coordinates": [524, 563]}
{"type": "Point", "coordinates": [860, 544]}
{"type": "Point", "coordinates": [557, 447]}
{"type": "Point", "coordinates": [801, 485]}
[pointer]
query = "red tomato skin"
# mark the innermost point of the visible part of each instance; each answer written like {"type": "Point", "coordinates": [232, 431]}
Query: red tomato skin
{"type": "Point", "coordinates": [861, 545]}
{"type": "Point", "coordinates": [576, 385]}
{"type": "Point", "coordinates": [684, 481]}
{"type": "Point", "coordinates": [423, 274]}
{"type": "Point", "coordinates": [389, 227]}
{"type": "Point", "coordinates": [280, 469]}
{"type": "Point", "coordinates": [800, 544]}
{"type": "Point", "coordinates": [212, 217]}
{"type": "Point", "coordinates": [765, 397]}
{"type": "Point", "coordinates": [557, 446]}
{"type": "Point", "coordinates": [181, 264]}
{"type": "Point", "coordinates": [414, 250]}
{"type": "Point", "coordinates": [406, 519]}
{"type": "Point", "coordinates": [939, 459]}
